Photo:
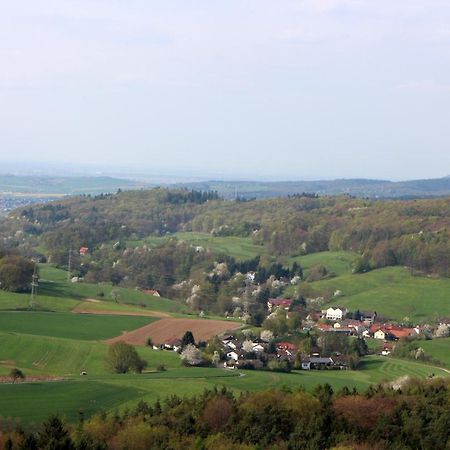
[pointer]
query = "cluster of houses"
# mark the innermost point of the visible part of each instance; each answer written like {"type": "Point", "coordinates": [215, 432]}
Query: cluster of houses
{"type": "Point", "coordinates": [238, 355]}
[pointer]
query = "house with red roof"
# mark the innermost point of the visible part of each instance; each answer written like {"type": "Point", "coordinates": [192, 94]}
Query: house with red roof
{"type": "Point", "coordinates": [284, 303]}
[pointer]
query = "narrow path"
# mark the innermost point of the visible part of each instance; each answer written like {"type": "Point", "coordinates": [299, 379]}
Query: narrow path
{"type": "Point", "coordinates": [86, 307]}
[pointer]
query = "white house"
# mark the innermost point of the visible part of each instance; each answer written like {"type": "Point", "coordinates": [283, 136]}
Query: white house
{"type": "Point", "coordinates": [250, 276]}
{"type": "Point", "coordinates": [258, 348]}
{"type": "Point", "coordinates": [233, 355]}
{"type": "Point", "coordinates": [379, 334]}
{"type": "Point", "coordinates": [335, 313]}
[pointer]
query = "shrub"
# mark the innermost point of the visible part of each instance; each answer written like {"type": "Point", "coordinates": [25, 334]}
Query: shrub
{"type": "Point", "coordinates": [122, 357]}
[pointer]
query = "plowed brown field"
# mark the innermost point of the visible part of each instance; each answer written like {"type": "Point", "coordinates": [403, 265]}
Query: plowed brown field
{"type": "Point", "coordinates": [165, 329]}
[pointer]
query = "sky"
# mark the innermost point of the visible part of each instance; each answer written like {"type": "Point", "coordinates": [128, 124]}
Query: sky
{"type": "Point", "coordinates": [255, 89]}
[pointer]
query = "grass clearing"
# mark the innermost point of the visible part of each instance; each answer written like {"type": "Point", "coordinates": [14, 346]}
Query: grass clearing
{"type": "Point", "coordinates": [241, 248]}
{"type": "Point", "coordinates": [339, 263]}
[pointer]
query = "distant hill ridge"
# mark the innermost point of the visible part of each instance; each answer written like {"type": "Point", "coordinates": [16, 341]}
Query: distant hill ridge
{"type": "Point", "coordinates": [358, 187]}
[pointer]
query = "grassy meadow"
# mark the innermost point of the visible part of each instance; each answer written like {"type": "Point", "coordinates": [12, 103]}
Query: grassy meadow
{"type": "Point", "coordinates": [391, 291]}
{"type": "Point", "coordinates": [340, 263]}
{"type": "Point", "coordinates": [241, 248]}
{"type": "Point", "coordinates": [98, 390]}
{"type": "Point", "coordinates": [68, 325]}
{"type": "Point", "coordinates": [438, 349]}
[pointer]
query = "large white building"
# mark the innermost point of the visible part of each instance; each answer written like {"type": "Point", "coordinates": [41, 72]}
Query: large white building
{"type": "Point", "coordinates": [335, 313]}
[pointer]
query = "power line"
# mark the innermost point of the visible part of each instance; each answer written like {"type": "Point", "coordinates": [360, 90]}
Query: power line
{"type": "Point", "coordinates": [34, 286]}
{"type": "Point", "coordinates": [69, 268]}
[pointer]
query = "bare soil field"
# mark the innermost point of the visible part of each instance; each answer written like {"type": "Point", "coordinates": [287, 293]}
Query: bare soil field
{"type": "Point", "coordinates": [165, 329]}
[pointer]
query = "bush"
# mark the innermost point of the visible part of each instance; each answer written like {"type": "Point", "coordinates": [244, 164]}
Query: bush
{"type": "Point", "coordinates": [16, 374]}
{"type": "Point", "coordinates": [122, 357]}
{"type": "Point", "coordinates": [161, 368]}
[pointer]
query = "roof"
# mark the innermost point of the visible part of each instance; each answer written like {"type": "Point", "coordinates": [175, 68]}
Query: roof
{"type": "Point", "coordinates": [173, 341]}
{"type": "Point", "coordinates": [368, 313]}
{"type": "Point", "coordinates": [151, 291]}
{"type": "Point", "coordinates": [280, 301]}
{"type": "Point", "coordinates": [320, 360]}
{"type": "Point", "coordinates": [395, 331]}
{"type": "Point", "coordinates": [335, 308]}
{"type": "Point", "coordinates": [325, 326]}
{"type": "Point", "coordinates": [286, 346]}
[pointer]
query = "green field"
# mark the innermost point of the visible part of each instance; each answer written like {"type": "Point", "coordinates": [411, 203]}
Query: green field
{"type": "Point", "coordinates": [241, 248]}
{"type": "Point", "coordinates": [438, 349]}
{"type": "Point", "coordinates": [68, 325]}
{"type": "Point", "coordinates": [340, 263]}
{"type": "Point", "coordinates": [59, 356]}
{"type": "Point", "coordinates": [392, 292]}
{"type": "Point", "coordinates": [56, 294]}
{"type": "Point", "coordinates": [53, 283]}
{"type": "Point", "coordinates": [33, 402]}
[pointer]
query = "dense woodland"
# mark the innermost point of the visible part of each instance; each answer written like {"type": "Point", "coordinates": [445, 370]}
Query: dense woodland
{"type": "Point", "coordinates": [413, 233]}
{"type": "Point", "coordinates": [405, 414]}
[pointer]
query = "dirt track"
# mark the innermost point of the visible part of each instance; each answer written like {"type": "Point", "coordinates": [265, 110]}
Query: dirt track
{"type": "Point", "coordinates": [82, 309]}
{"type": "Point", "coordinates": [166, 329]}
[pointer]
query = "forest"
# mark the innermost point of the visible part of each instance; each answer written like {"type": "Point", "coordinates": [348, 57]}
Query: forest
{"type": "Point", "coordinates": [411, 233]}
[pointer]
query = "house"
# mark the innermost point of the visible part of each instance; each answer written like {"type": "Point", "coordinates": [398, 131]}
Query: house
{"type": "Point", "coordinates": [325, 327]}
{"type": "Point", "coordinates": [399, 333]}
{"type": "Point", "coordinates": [306, 364]}
{"type": "Point", "coordinates": [233, 355]}
{"type": "Point", "coordinates": [316, 362]}
{"type": "Point", "coordinates": [284, 303]}
{"type": "Point", "coordinates": [153, 292]}
{"type": "Point", "coordinates": [355, 326]}
{"type": "Point", "coordinates": [250, 276]}
{"type": "Point", "coordinates": [368, 316]}
{"type": "Point", "coordinates": [84, 251]}
{"type": "Point", "coordinates": [391, 332]}
{"type": "Point", "coordinates": [335, 313]}
{"type": "Point", "coordinates": [172, 344]}
{"type": "Point", "coordinates": [314, 316]}
{"type": "Point", "coordinates": [285, 355]}
{"type": "Point", "coordinates": [286, 346]}
{"type": "Point", "coordinates": [380, 334]}
{"type": "Point", "coordinates": [232, 344]}
{"type": "Point", "coordinates": [258, 348]}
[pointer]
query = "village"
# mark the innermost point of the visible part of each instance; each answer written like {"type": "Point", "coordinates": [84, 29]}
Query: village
{"type": "Point", "coordinates": [330, 339]}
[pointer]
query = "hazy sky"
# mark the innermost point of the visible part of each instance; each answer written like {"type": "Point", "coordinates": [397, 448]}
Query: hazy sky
{"type": "Point", "coordinates": [263, 89]}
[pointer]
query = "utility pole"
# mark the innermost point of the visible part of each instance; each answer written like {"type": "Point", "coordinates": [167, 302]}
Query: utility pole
{"type": "Point", "coordinates": [69, 269]}
{"type": "Point", "coordinates": [34, 286]}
